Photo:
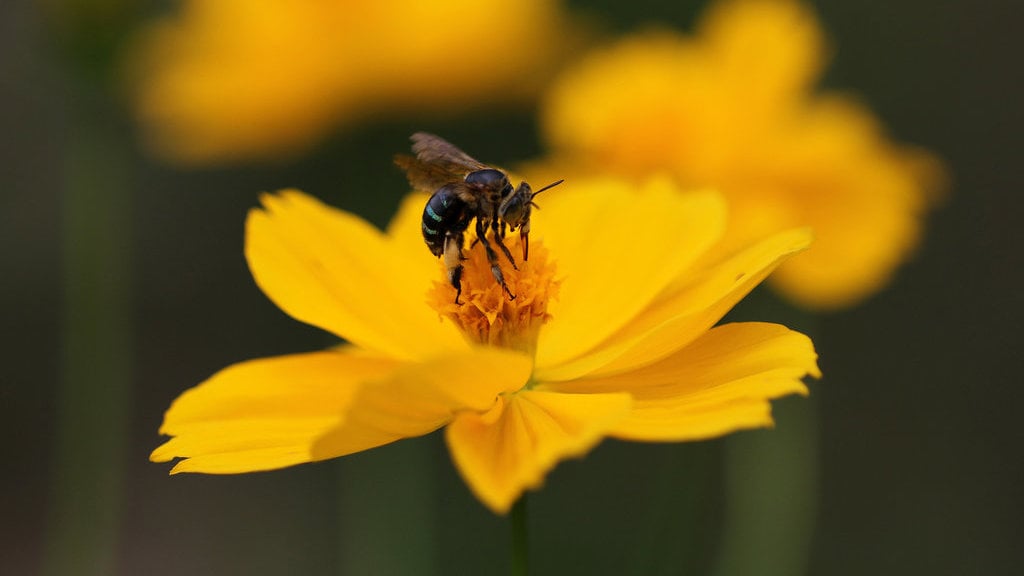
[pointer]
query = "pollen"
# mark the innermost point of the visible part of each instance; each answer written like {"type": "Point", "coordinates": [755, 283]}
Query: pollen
{"type": "Point", "coordinates": [486, 315]}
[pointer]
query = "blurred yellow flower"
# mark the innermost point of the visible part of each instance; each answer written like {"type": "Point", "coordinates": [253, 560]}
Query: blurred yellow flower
{"type": "Point", "coordinates": [238, 79]}
{"type": "Point", "coordinates": [732, 108]}
{"type": "Point", "coordinates": [610, 335]}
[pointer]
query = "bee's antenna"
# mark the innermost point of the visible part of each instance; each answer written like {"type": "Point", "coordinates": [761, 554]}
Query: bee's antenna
{"type": "Point", "coordinates": [552, 185]}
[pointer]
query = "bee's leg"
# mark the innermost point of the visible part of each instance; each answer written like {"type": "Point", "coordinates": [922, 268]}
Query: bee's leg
{"type": "Point", "coordinates": [492, 258]}
{"type": "Point", "coordinates": [455, 277]}
{"type": "Point", "coordinates": [524, 239]}
{"type": "Point", "coordinates": [499, 235]}
{"type": "Point", "coordinates": [453, 262]}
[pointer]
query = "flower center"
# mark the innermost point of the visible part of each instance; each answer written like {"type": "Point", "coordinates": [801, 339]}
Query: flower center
{"type": "Point", "coordinates": [486, 314]}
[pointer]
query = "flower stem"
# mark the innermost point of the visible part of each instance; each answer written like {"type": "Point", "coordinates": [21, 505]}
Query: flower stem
{"type": "Point", "coordinates": [772, 478]}
{"type": "Point", "coordinates": [388, 504]}
{"type": "Point", "coordinates": [93, 397]}
{"type": "Point", "coordinates": [772, 492]}
{"type": "Point", "coordinates": [520, 534]}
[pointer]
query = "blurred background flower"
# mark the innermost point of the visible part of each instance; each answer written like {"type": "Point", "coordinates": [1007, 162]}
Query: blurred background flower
{"type": "Point", "coordinates": [226, 80]}
{"type": "Point", "coordinates": [733, 107]}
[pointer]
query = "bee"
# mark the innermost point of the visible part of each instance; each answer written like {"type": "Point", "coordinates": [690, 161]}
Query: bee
{"type": "Point", "coordinates": [464, 189]}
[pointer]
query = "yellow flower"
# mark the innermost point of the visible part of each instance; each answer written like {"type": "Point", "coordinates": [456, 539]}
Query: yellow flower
{"type": "Point", "coordinates": [237, 79]}
{"type": "Point", "coordinates": [731, 108]}
{"type": "Point", "coordinates": [610, 335]}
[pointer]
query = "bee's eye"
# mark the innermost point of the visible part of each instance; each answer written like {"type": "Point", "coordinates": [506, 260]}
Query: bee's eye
{"type": "Point", "coordinates": [512, 210]}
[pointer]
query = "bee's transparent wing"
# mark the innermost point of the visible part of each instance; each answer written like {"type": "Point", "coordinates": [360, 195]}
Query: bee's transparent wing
{"type": "Point", "coordinates": [433, 149]}
{"type": "Point", "coordinates": [437, 162]}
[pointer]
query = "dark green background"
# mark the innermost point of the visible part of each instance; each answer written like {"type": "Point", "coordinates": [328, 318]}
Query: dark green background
{"type": "Point", "coordinates": [920, 468]}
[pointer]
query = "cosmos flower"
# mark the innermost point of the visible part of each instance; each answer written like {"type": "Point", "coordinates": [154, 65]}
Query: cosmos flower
{"type": "Point", "coordinates": [611, 334]}
{"type": "Point", "coordinates": [225, 80]}
{"type": "Point", "coordinates": [733, 108]}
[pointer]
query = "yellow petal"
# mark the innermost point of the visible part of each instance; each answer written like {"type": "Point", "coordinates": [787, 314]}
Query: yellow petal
{"type": "Point", "coordinates": [658, 121]}
{"type": "Point", "coordinates": [331, 269]}
{"type": "Point", "coordinates": [616, 248]}
{"type": "Point", "coordinates": [502, 453]}
{"type": "Point", "coordinates": [405, 234]}
{"type": "Point", "coordinates": [232, 79]}
{"type": "Point", "coordinates": [864, 196]}
{"type": "Point", "coordinates": [766, 53]}
{"type": "Point", "coordinates": [680, 423]}
{"type": "Point", "coordinates": [263, 414]}
{"type": "Point", "coordinates": [720, 383]}
{"type": "Point", "coordinates": [683, 312]}
{"type": "Point", "coordinates": [236, 447]}
{"type": "Point", "coordinates": [404, 229]}
{"type": "Point", "coordinates": [419, 398]}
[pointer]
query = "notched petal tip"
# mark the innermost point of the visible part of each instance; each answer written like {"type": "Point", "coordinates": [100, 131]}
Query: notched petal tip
{"type": "Point", "coordinates": [266, 413]}
{"type": "Point", "coordinates": [684, 311]}
{"type": "Point", "coordinates": [161, 454]}
{"type": "Point", "coordinates": [720, 383]}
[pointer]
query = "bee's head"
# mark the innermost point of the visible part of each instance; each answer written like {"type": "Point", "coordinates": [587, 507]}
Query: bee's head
{"type": "Point", "coordinates": [515, 208]}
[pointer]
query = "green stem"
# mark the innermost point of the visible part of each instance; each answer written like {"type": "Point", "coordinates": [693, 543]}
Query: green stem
{"type": "Point", "coordinates": [771, 476]}
{"type": "Point", "coordinates": [93, 395]}
{"type": "Point", "coordinates": [771, 490]}
{"type": "Point", "coordinates": [520, 538]}
{"type": "Point", "coordinates": [389, 513]}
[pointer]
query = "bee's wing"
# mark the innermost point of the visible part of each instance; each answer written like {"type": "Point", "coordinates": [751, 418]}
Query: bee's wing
{"type": "Point", "coordinates": [426, 177]}
{"type": "Point", "coordinates": [433, 149]}
{"type": "Point", "coordinates": [437, 162]}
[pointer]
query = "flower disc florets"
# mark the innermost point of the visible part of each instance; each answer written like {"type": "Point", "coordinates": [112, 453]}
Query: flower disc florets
{"type": "Point", "coordinates": [486, 315]}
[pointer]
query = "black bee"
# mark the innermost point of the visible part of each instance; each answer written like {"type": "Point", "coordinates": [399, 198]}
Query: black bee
{"type": "Point", "coordinates": [463, 189]}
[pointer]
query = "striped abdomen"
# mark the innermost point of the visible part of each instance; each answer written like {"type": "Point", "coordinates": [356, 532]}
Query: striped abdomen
{"type": "Point", "coordinates": [444, 215]}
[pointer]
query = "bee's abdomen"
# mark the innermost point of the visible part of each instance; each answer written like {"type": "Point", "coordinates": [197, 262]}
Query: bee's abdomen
{"type": "Point", "coordinates": [444, 215]}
